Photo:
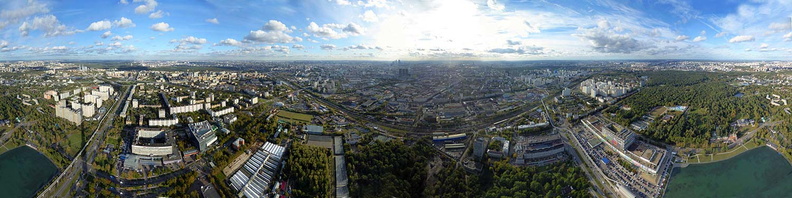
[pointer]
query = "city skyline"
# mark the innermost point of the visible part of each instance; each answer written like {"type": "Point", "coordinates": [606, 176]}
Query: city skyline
{"type": "Point", "coordinates": [388, 30]}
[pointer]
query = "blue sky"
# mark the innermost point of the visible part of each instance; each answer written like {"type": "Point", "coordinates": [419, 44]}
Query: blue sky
{"type": "Point", "coordinates": [400, 29]}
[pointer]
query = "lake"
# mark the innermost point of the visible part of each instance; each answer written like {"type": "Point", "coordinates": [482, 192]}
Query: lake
{"type": "Point", "coordinates": [760, 172]}
{"type": "Point", "coordinates": [23, 171]}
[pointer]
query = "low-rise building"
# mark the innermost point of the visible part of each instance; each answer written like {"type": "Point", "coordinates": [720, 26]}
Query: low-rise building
{"type": "Point", "coordinates": [152, 142]}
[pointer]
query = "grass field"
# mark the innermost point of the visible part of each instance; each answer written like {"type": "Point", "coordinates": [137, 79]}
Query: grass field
{"type": "Point", "coordinates": [723, 155]}
{"type": "Point", "coordinates": [75, 143]}
{"type": "Point", "coordinates": [657, 112]}
{"type": "Point", "coordinates": [297, 117]}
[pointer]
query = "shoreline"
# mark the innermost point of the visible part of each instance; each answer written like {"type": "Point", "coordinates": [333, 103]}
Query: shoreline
{"type": "Point", "coordinates": [683, 165]}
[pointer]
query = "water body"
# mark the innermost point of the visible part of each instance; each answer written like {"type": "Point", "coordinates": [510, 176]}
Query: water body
{"type": "Point", "coordinates": [756, 173]}
{"type": "Point", "coordinates": [23, 171]}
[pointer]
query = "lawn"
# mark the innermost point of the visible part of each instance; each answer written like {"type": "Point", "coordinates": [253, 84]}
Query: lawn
{"type": "Point", "coordinates": [298, 117]}
{"type": "Point", "coordinates": [75, 143]}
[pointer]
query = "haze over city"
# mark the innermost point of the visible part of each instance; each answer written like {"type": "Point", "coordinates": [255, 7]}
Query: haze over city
{"type": "Point", "coordinates": [389, 30]}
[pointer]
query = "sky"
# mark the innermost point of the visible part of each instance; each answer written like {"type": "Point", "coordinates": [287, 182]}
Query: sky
{"type": "Point", "coordinates": [395, 29]}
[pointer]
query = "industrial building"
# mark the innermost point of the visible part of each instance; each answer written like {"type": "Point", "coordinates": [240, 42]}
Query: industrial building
{"type": "Point", "coordinates": [539, 150]}
{"type": "Point", "coordinates": [313, 129]}
{"type": "Point", "coordinates": [203, 134]}
{"type": "Point", "coordinates": [254, 179]}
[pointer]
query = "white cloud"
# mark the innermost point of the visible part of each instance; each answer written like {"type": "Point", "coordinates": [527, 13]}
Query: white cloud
{"type": "Point", "coordinates": [148, 6]}
{"type": "Point", "coordinates": [213, 21]}
{"type": "Point", "coordinates": [122, 38]}
{"type": "Point", "coordinates": [275, 26]}
{"type": "Point", "coordinates": [330, 30]}
{"type": "Point", "coordinates": [682, 37]}
{"type": "Point", "coordinates": [100, 25]}
{"type": "Point", "coordinates": [158, 14]}
{"type": "Point", "coordinates": [788, 37]}
{"type": "Point", "coordinates": [741, 38]}
{"type": "Point", "coordinates": [12, 16]}
{"type": "Point", "coordinates": [123, 2]}
{"type": "Point", "coordinates": [116, 44]}
{"type": "Point", "coordinates": [343, 2]}
{"type": "Point", "coordinates": [609, 42]}
{"type": "Point", "coordinates": [228, 42]}
{"type": "Point", "coordinates": [354, 29]}
{"type": "Point", "coordinates": [106, 34]}
{"type": "Point", "coordinates": [298, 46]}
{"type": "Point", "coordinates": [369, 16]}
{"type": "Point", "coordinates": [189, 43]}
{"type": "Point", "coordinates": [3, 44]}
{"type": "Point", "coordinates": [161, 27]}
{"type": "Point", "coordinates": [764, 46]}
{"type": "Point", "coordinates": [328, 47]}
{"type": "Point", "coordinates": [49, 24]}
{"type": "Point", "coordinates": [190, 40]}
{"type": "Point", "coordinates": [493, 4]}
{"type": "Point", "coordinates": [269, 37]}
{"type": "Point", "coordinates": [124, 23]}
{"type": "Point", "coordinates": [699, 39]}
{"type": "Point", "coordinates": [720, 34]}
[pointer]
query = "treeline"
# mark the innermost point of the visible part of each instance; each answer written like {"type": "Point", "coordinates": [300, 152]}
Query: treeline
{"type": "Point", "coordinates": [311, 171]}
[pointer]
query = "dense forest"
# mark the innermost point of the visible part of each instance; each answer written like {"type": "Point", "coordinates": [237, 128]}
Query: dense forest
{"type": "Point", "coordinates": [389, 169]}
{"type": "Point", "coordinates": [311, 169]}
{"type": "Point", "coordinates": [559, 180]}
{"type": "Point", "coordinates": [393, 169]}
{"type": "Point", "coordinates": [709, 96]}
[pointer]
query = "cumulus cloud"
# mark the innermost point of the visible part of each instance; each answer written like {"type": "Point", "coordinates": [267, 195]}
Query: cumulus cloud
{"type": "Point", "coordinates": [123, 2]}
{"type": "Point", "coordinates": [49, 24]}
{"type": "Point", "coordinates": [106, 34]}
{"type": "Point", "coordinates": [353, 29]}
{"type": "Point", "coordinates": [158, 14]}
{"type": "Point", "coordinates": [148, 6]}
{"type": "Point", "coordinates": [327, 47]}
{"type": "Point", "coordinates": [12, 16]}
{"type": "Point", "coordinates": [513, 42]}
{"type": "Point", "coordinates": [124, 23]}
{"type": "Point", "coordinates": [275, 26]}
{"type": "Point", "coordinates": [161, 27]}
{"type": "Point", "coordinates": [228, 42]}
{"type": "Point", "coordinates": [699, 39]}
{"type": "Point", "coordinates": [720, 34]}
{"type": "Point", "coordinates": [269, 37]}
{"type": "Point", "coordinates": [298, 46]}
{"type": "Point", "coordinates": [331, 30]}
{"type": "Point", "coordinates": [682, 37]}
{"type": "Point", "coordinates": [116, 44]}
{"type": "Point", "coordinates": [741, 38]}
{"type": "Point", "coordinates": [764, 46]}
{"type": "Point", "coordinates": [3, 44]}
{"type": "Point", "coordinates": [788, 37]}
{"type": "Point", "coordinates": [272, 32]}
{"type": "Point", "coordinates": [369, 16]}
{"type": "Point", "coordinates": [122, 38]}
{"type": "Point", "coordinates": [189, 43]}
{"type": "Point", "coordinates": [609, 42]}
{"type": "Point", "coordinates": [213, 21]}
{"type": "Point", "coordinates": [99, 25]}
